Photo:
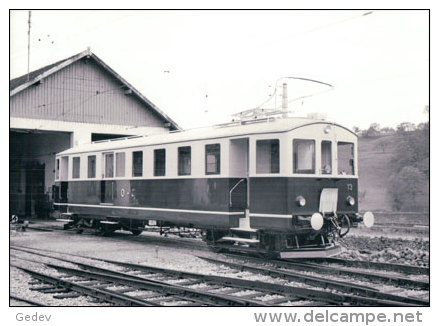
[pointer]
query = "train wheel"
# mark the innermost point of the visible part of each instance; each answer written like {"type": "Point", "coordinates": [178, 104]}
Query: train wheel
{"type": "Point", "coordinates": [136, 232]}
{"type": "Point", "coordinates": [105, 231]}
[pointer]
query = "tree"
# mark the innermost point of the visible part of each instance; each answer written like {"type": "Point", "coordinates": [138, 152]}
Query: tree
{"type": "Point", "coordinates": [374, 130]}
{"type": "Point", "coordinates": [356, 130]}
{"type": "Point", "coordinates": [405, 186]}
{"type": "Point", "coordinates": [387, 131]}
{"type": "Point", "coordinates": [404, 127]}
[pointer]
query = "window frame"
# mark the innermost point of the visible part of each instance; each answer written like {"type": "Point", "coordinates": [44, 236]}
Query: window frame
{"type": "Point", "coordinates": [76, 167]}
{"type": "Point", "coordinates": [353, 158]}
{"type": "Point", "coordinates": [136, 173]}
{"type": "Point", "coordinates": [187, 150]}
{"type": "Point", "coordinates": [117, 163]}
{"type": "Point", "coordinates": [156, 157]}
{"type": "Point", "coordinates": [105, 165]}
{"type": "Point", "coordinates": [274, 167]}
{"type": "Point", "coordinates": [215, 150]}
{"type": "Point", "coordinates": [88, 166]}
{"type": "Point", "coordinates": [331, 150]}
{"type": "Point", "coordinates": [295, 157]}
{"type": "Point", "coordinates": [57, 168]}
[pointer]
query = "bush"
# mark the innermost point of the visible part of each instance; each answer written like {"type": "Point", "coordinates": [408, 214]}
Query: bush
{"type": "Point", "coordinates": [405, 187]}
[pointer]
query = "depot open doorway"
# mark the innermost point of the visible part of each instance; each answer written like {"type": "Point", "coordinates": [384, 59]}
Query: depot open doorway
{"type": "Point", "coordinates": [32, 170]}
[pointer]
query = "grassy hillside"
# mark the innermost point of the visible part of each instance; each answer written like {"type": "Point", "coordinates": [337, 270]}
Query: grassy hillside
{"type": "Point", "coordinates": [375, 155]}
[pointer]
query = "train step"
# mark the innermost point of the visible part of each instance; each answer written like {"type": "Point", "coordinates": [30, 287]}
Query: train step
{"type": "Point", "coordinates": [241, 229]}
{"type": "Point", "coordinates": [239, 240]}
{"type": "Point", "coordinates": [66, 217]}
{"type": "Point", "coordinates": [65, 220]}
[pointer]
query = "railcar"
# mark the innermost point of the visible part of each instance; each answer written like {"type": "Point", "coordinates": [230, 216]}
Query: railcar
{"type": "Point", "coordinates": [286, 187]}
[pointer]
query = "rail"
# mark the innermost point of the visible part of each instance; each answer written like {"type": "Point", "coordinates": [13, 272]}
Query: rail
{"type": "Point", "coordinates": [324, 282]}
{"type": "Point", "coordinates": [296, 295]}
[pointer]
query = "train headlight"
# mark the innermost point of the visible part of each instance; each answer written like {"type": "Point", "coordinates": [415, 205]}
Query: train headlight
{"type": "Point", "coordinates": [350, 200]}
{"type": "Point", "coordinates": [368, 219]}
{"type": "Point", "coordinates": [301, 201]}
{"type": "Point", "coordinates": [316, 221]}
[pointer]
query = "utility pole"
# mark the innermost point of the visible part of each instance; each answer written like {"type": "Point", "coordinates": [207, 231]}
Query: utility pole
{"type": "Point", "coordinates": [28, 46]}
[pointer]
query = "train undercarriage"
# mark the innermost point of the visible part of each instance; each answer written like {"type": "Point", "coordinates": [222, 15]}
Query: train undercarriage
{"type": "Point", "coordinates": [304, 241]}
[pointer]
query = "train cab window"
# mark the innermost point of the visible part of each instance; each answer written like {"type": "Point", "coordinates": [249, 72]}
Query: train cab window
{"type": "Point", "coordinates": [304, 154]}
{"type": "Point", "coordinates": [184, 160]}
{"type": "Point", "coordinates": [159, 162]}
{"type": "Point", "coordinates": [345, 154]}
{"type": "Point", "coordinates": [213, 158]}
{"type": "Point", "coordinates": [57, 169]}
{"type": "Point", "coordinates": [267, 156]}
{"type": "Point", "coordinates": [120, 164]}
{"type": "Point", "coordinates": [91, 166]}
{"type": "Point", "coordinates": [75, 167]}
{"type": "Point", "coordinates": [326, 157]}
{"type": "Point", "coordinates": [109, 165]}
{"type": "Point", "coordinates": [137, 164]}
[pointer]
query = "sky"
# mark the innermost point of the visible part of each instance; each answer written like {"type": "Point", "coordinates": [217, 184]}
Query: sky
{"type": "Point", "coordinates": [200, 67]}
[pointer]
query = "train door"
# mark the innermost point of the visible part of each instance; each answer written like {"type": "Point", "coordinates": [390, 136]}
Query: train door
{"type": "Point", "coordinates": [239, 174]}
{"type": "Point", "coordinates": [108, 186]}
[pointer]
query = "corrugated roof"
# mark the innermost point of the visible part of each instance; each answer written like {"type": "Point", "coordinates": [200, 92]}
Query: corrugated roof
{"type": "Point", "coordinates": [19, 84]}
{"type": "Point", "coordinates": [14, 83]}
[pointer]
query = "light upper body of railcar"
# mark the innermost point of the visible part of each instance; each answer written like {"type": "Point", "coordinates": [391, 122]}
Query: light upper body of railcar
{"type": "Point", "coordinates": [287, 147]}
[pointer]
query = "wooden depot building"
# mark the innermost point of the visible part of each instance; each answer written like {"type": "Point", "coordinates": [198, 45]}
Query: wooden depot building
{"type": "Point", "coordinates": [73, 101]}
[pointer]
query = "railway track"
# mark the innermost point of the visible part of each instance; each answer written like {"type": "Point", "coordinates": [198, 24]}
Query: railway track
{"type": "Point", "coordinates": [104, 278]}
{"type": "Point", "coordinates": [408, 269]}
{"type": "Point", "coordinates": [401, 275]}
{"type": "Point", "coordinates": [317, 275]}
{"type": "Point", "coordinates": [176, 286]}
{"type": "Point", "coordinates": [98, 283]}
{"type": "Point", "coordinates": [29, 302]}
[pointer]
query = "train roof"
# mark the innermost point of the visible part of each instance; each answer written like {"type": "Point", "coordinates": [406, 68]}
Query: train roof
{"type": "Point", "coordinates": [228, 130]}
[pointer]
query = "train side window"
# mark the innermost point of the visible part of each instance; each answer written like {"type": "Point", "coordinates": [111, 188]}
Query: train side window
{"type": "Point", "coordinates": [91, 166]}
{"type": "Point", "coordinates": [120, 164]}
{"type": "Point", "coordinates": [64, 171]}
{"type": "Point", "coordinates": [267, 156]}
{"type": "Point", "coordinates": [137, 164]}
{"type": "Point", "coordinates": [109, 165]}
{"type": "Point", "coordinates": [345, 154]}
{"type": "Point", "coordinates": [326, 157]}
{"type": "Point", "coordinates": [213, 159]}
{"type": "Point", "coordinates": [159, 162]}
{"type": "Point", "coordinates": [184, 160]}
{"type": "Point", "coordinates": [75, 167]}
{"type": "Point", "coordinates": [304, 154]}
{"type": "Point", "coordinates": [57, 169]}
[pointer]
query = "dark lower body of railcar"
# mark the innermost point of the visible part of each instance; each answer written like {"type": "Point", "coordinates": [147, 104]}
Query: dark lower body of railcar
{"type": "Point", "coordinates": [272, 215]}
